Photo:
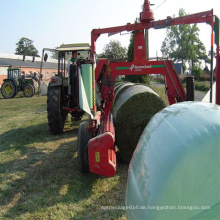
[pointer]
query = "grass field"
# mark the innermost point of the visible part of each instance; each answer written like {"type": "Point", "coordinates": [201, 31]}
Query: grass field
{"type": "Point", "coordinates": [39, 178]}
{"type": "Point", "coordinates": [203, 86]}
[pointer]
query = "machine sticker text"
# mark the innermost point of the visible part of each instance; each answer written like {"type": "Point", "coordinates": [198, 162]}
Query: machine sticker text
{"type": "Point", "coordinates": [97, 157]}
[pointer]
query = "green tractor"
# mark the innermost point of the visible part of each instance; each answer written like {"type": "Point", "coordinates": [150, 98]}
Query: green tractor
{"type": "Point", "coordinates": [17, 82]}
{"type": "Point", "coordinates": [65, 89]}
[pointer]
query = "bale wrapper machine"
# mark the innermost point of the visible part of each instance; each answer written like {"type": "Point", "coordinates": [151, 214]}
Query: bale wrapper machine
{"type": "Point", "coordinates": [96, 138]}
{"type": "Point", "coordinates": [100, 148]}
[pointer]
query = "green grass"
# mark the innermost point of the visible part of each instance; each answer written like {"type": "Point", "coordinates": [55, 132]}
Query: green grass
{"type": "Point", "coordinates": [202, 86]}
{"type": "Point", "coordinates": [162, 94]}
{"type": "Point", "coordinates": [39, 178]}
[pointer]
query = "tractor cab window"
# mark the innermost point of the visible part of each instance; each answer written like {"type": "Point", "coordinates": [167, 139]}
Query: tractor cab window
{"type": "Point", "coordinates": [64, 59]}
{"type": "Point", "coordinates": [15, 74]}
{"type": "Point", "coordinates": [62, 63]}
{"type": "Point", "coordinates": [83, 55]}
{"type": "Point", "coordinates": [10, 74]}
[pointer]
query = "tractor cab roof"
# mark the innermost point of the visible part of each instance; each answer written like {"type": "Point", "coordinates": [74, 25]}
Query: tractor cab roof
{"type": "Point", "coordinates": [10, 68]}
{"type": "Point", "coordinates": [74, 47]}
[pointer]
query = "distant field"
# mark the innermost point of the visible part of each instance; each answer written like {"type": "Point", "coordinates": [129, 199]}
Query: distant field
{"type": "Point", "coordinates": [39, 178]}
{"type": "Point", "coordinates": [199, 85]}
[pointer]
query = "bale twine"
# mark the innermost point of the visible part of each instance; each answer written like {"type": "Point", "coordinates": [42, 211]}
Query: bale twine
{"type": "Point", "coordinates": [133, 109]}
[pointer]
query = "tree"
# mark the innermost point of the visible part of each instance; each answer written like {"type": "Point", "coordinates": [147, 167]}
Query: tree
{"type": "Point", "coordinates": [131, 48]}
{"type": "Point", "coordinates": [54, 54]}
{"type": "Point", "coordinates": [197, 50]}
{"type": "Point", "coordinates": [182, 43]}
{"type": "Point", "coordinates": [197, 72]}
{"type": "Point", "coordinates": [113, 50]}
{"type": "Point", "coordinates": [206, 70]}
{"type": "Point", "coordinates": [25, 47]}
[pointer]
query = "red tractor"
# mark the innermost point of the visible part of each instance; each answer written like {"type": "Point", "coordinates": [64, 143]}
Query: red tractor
{"type": "Point", "coordinates": [96, 138]}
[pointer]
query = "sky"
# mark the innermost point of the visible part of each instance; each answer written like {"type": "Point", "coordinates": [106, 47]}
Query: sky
{"type": "Point", "coordinates": [49, 23]}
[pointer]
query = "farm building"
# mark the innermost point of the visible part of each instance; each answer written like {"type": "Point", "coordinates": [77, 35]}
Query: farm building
{"type": "Point", "coordinates": [28, 65]}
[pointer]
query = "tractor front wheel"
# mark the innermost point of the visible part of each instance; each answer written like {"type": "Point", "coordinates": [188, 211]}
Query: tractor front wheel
{"type": "Point", "coordinates": [55, 113]}
{"type": "Point", "coordinates": [82, 147]}
{"type": "Point", "coordinates": [8, 90]}
{"type": "Point", "coordinates": [28, 91]}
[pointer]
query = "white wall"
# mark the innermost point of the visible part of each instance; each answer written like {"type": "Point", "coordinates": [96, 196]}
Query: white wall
{"type": "Point", "coordinates": [3, 70]}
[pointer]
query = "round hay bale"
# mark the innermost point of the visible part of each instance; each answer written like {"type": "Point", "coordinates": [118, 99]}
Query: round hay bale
{"type": "Point", "coordinates": [120, 89]}
{"type": "Point", "coordinates": [133, 109]}
{"type": "Point", "coordinates": [118, 83]}
{"type": "Point", "coordinates": [175, 167]}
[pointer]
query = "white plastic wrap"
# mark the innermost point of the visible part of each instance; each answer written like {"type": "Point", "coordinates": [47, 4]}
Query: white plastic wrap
{"type": "Point", "coordinates": [174, 173]}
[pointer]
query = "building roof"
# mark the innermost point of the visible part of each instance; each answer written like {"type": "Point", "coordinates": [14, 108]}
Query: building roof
{"type": "Point", "coordinates": [3, 63]}
{"type": "Point", "coordinates": [17, 61]}
{"type": "Point", "coordinates": [20, 57]}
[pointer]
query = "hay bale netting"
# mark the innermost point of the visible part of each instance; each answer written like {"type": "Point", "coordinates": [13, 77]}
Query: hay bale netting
{"type": "Point", "coordinates": [175, 169]}
{"type": "Point", "coordinates": [132, 111]}
{"type": "Point", "coordinates": [120, 89]}
{"type": "Point", "coordinates": [117, 87]}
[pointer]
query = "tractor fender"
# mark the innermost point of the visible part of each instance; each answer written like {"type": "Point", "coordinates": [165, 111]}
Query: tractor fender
{"type": "Point", "coordinates": [56, 81]}
{"type": "Point", "coordinates": [11, 80]}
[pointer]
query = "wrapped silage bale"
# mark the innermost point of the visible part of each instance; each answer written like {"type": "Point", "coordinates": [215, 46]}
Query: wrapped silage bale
{"type": "Point", "coordinates": [175, 170]}
{"type": "Point", "coordinates": [132, 110]}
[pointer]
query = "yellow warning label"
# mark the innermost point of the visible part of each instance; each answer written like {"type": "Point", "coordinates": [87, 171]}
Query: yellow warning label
{"type": "Point", "coordinates": [97, 157]}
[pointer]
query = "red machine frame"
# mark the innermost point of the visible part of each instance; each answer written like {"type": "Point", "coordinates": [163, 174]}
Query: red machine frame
{"type": "Point", "coordinates": [102, 158]}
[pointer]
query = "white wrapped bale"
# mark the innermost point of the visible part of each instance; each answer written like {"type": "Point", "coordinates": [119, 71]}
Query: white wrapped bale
{"type": "Point", "coordinates": [175, 170]}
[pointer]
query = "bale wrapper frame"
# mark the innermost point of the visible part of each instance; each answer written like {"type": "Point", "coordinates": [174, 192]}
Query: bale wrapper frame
{"type": "Point", "coordinates": [100, 148]}
{"type": "Point", "coordinates": [96, 138]}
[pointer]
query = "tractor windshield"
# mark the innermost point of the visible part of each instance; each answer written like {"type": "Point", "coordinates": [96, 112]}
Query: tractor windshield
{"type": "Point", "coordinates": [13, 74]}
{"type": "Point", "coordinates": [65, 57]}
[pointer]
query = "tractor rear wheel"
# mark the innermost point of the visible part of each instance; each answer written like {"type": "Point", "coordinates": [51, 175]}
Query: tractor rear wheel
{"type": "Point", "coordinates": [8, 90]}
{"type": "Point", "coordinates": [82, 147]}
{"type": "Point", "coordinates": [55, 113]}
{"type": "Point", "coordinates": [28, 91]}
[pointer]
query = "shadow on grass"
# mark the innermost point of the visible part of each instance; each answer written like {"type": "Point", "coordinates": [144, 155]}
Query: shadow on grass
{"type": "Point", "coordinates": [18, 96]}
{"type": "Point", "coordinates": [16, 139]}
{"type": "Point", "coordinates": [45, 181]}
{"type": "Point", "coordinates": [111, 204]}
{"type": "Point", "coordinates": [52, 178]}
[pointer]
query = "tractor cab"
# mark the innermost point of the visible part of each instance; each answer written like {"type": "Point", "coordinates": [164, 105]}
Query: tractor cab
{"type": "Point", "coordinates": [65, 53]}
{"type": "Point", "coordinates": [71, 90]}
{"type": "Point", "coordinates": [71, 60]}
{"type": "Point", "coordinates": [14, 74]}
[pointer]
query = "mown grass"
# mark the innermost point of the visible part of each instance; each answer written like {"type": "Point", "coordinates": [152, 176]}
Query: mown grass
{"type": "Point", "coordinates": [39, 178]}
{"type": "Point", "coordinates": [202, 86]}
{"type": "Point", "coordinates": [161, 92]}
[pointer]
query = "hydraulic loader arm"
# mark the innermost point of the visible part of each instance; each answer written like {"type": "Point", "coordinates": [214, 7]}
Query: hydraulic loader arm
{"type": "Point", "coordinates": [147, 21]}
{"type": "Point", "coordinates": [106, 73]}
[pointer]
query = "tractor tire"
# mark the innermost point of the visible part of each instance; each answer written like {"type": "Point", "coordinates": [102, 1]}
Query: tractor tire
{"type": "Point", "coordinates": [14, 94]}
{"type": "Point", "coordinates": [8, 90]}
{"type": "Point", "coordinates": [28, 91]}
{"type": "Point", "coordinates": [55, 113]}
{"type": "Point", "coordinates": [82, 147]}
